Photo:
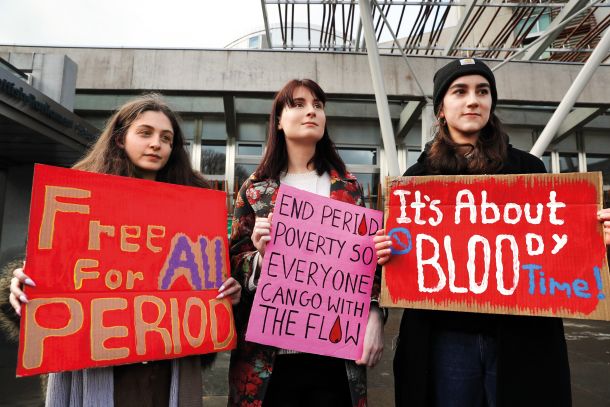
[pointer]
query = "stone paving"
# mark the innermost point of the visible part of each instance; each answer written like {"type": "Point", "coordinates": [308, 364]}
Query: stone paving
{"type": "Point", "coordinates": [588, 346]}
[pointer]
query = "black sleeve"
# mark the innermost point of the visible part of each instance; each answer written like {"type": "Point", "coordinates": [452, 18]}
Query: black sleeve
{"type": "Point", "coordinates": [414, 170]}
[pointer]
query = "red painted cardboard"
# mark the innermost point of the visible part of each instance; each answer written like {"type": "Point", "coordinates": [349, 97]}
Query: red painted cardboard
{"type": "Point", "coordinates": [126, 271]}
{"type": "Point", "coordinates": [514, 244]}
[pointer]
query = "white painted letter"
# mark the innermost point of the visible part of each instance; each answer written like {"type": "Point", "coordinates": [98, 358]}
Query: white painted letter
{"type": "Point", "coordinates": [485, 206]}
{"type": "Point", "coordinates": [500, 268]}
{"type": "Point", "coordinates": [433, 261]}
{"type": "Point", "coordinates": [469, 205]}
{"type": "Point", "coordinates": [529, 239]}
{"type": "Point", "coordinates": [474, 287]}
{"type": "Point", "coordinates": [451, 268]}
{"type": "Point", "coordinates": [553, 205]}
{"type": "Point", "coordinates": [403, 206]}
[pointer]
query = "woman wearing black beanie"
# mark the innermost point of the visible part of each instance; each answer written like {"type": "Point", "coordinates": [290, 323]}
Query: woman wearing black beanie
{"type": "Point", "coordinates": [467, 359]}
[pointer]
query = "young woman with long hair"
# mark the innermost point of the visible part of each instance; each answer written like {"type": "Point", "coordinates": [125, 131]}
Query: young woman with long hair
{"type": "Point", "coordinates": [299, 153]}
{"type": "Point", "coordinates": [143, 139]}
{"type": "Point", "coordinates": [466, 359]}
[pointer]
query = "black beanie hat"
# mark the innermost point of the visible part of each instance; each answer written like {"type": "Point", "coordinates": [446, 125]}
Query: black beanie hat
{"type": "Point", "coordinates": [461, 67]}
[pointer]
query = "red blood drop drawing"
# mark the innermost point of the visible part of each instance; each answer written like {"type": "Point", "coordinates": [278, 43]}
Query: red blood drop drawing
{"type": "Point", "coordinates": [362, 228]}
{"type": "Point", "coordinates": [335, 332]}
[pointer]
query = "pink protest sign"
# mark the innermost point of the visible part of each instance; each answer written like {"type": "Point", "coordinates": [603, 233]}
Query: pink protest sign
{"type": "Point", "coordinates": [314, 291]}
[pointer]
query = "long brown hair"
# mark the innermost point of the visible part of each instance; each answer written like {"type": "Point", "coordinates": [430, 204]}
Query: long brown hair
{"type": "Point", "coordinates": [107, 156]}
{"type": "Point", "coordinates": [275, 159]}
{"type": "Point", "coordinates": [486, 157]}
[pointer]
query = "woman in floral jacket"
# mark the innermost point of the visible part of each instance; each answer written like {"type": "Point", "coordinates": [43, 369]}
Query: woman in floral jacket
{"type": "Point", "coordinates": [301, 154]}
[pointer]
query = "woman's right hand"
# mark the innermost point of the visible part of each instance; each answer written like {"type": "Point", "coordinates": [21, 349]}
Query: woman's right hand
{"type": "Point", "coordinates": [383, 247]}
{"type": "Point", "coordinates": [17, 296]}
{"type": "Point", "coordinates": [261, 233]}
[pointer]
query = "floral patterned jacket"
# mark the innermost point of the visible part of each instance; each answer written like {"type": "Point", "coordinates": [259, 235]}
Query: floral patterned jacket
{"type": "Point", "coordinates": [251, 363]}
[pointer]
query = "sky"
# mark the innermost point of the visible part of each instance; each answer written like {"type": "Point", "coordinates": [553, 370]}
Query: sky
{"type": "Point", "coordinates": [128, 23]}
{"type": "Point", "coordinates": [140, 23]}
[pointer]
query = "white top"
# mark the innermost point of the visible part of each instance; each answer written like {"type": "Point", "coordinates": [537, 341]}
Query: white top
{"type": "Point", "coordinates": [308, 181]}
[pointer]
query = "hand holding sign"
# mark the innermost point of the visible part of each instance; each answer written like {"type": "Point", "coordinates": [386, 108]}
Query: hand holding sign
{"type": "Point", "coordinates": [604, 217]}
{"type": "Point", "coordinates": [373, 339]}
{"type": "Point", "coordinates": [383, 244]}
{"type": "Point", "coordinates": [17, 296]}
{"type": "Point", "coordinates": [261, 234]}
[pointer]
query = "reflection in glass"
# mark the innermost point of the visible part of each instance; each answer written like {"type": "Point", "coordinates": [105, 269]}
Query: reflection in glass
{"type": "Point", "coordinates": [249, 149]}
{"type": "Point", "coordinates": [546, 159]}
{"type": "Point", "coordinates": [213, 159]}
{"type": "Point", "coordinates": [600, 163]}
{"type": "Point", "coordinates": [568, 162]}
{"type": "Point", "coordinates": [363, 156]}
{"type": "Point", "coordinates": [412, 156]}
{"type": "Point", "coordinates": [370, 185]}
{"type": "Point", "coordinates": [242, 172]}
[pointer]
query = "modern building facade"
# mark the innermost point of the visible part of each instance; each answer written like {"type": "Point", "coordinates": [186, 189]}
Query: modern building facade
{"type": "Point", "coordinates": [224, 98]}
{"type": "Point", "coordinates": [37, 125]}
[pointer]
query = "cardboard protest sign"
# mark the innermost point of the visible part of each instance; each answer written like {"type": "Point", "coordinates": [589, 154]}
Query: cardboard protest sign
{"type": "Point", "coordinates": [126, 270]}
{"type": "Point", "coordinates": [314, 291]}
{"type": "Point", "coordinates": [514, 244]}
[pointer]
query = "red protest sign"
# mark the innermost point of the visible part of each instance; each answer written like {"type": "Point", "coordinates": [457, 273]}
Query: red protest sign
{"type": "Point", "coordinates": [126, 270]}
{"type": "Point", "coordinates": [515, 244]}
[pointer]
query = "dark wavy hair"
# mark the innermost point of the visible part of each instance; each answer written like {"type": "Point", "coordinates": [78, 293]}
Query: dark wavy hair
{"type": "Point", "coordinates": [486, 157]}
{"type": "Point", "coordinates": [275, 159]}
{"type": "Point", "coordinates": [107, 156]}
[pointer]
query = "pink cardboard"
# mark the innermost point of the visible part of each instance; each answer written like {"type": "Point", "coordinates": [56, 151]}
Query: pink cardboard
{"type": "Point", "coordinates": [314, 291]}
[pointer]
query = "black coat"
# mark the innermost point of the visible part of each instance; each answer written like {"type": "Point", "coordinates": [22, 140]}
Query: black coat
{"type": "Point", "coordinates": [532, 360]}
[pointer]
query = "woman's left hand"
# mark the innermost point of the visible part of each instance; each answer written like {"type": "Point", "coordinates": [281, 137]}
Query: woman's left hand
{"type": "Point", "coordinates": [373, 338]}
{"type": "Point", "coordinates": [383, 244]}
{"type": "Point", "coordinates": [604, 216]}
{"type": "Point", "coordinates": [230, 288]}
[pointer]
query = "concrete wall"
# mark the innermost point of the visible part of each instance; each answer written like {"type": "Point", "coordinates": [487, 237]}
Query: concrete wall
{"type": "Point", "coordinates": [338, 73]}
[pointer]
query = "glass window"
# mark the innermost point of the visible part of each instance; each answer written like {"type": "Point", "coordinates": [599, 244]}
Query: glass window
{"type": "Point", "coordinates": [540, 26]}
{"type": "Point", "coordinates": [213, 159]}
{"type": "Point", "coordinates": [242, 172]}
{"type": "Point", "coordinates": [546, 159]}
{"type": "Point", "coordinates": [370, 185]}
{"type": "Point", "coordinates": [600, 163]}
{"type": "Point", "coordinates": [568, 162]}
{"type": "Point", "coordinates": [217, 184]}
{"type": "Point", "coordinates": [254, 42]}
{"type": "Point", "coordinates": [364, 156]}
{"type": "Point", "coordinates": [250, 149]}
{"type": "Point", "coordinates": [412, 156]}
{"type": "Point", "coordinates": [188, 130]}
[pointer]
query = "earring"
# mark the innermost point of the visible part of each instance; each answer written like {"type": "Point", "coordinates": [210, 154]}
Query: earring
{"type": "Point", "coordinates": [442, 121]}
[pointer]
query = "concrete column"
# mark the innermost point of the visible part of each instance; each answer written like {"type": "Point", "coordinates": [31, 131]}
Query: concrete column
{"type": "Point", "coordinates": [428, 120]}
{"type": "Point", "coordinates": [196, 147]}
{"type": "Point", "coordinates": [52, 74]}
{"type": "Point", "coordinates": [381, 98]}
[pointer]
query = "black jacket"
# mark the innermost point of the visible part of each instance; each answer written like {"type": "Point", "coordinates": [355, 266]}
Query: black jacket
{"type": "Point", "coordinates": [532, 362]}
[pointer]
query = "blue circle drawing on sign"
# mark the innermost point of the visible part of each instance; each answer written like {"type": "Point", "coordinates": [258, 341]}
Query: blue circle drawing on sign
{"type": "Point", "coordinates": [401, 237]}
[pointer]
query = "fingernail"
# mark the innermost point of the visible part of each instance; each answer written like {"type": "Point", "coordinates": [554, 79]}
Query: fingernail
{"type": "Point", "coordinates": [30, 282]}
{"type": "Point", "coordinates": [23, 298]}
{"type": "Point", "coordinates": [222, 287]}
{"type": "Point", "coordinates": [221, 295]}
{"type": "Point", "coordinates": [18, 311]}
